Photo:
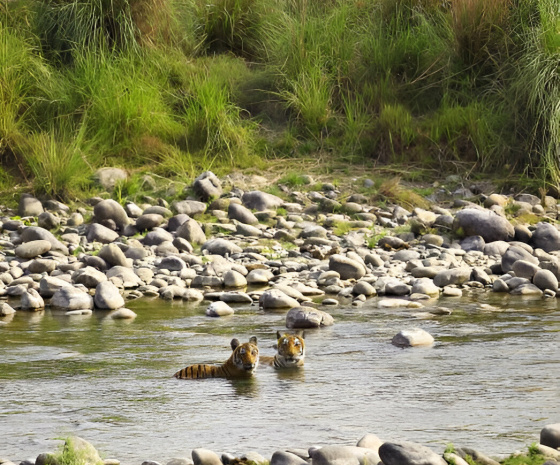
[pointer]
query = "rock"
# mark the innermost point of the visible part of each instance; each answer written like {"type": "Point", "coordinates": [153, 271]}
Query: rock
{"type": "Point", "coordinates": [221, 247]}
{"type": "Point", "coordinates": [207, 187]}
{"type": "Point", "coordinates": [89, 277]}
{"type": "Point", "coordinates": [261, 201]}
{"type": "Point", "coordinates": [29, 206]}
{"type": "Point", "coordinates": [192, 232]}
{"type": "Point", "coordinates": [83, 449]}
{"type": "Point", "coordinates": [149, 221]}
{"type": "Point", "coordinates": [126, 275]}
{"type": "Point", "coordinates": [47, 220]}
{"type": "Point", "coordinates": [189, 207]}
{"type": "Point", "coordinates": [450, 457]}
{"type": "Point", "coordinates": [219, 308]}
{"type": "Point", "coordinates": [234, 279]}
{"type": "Point", "coordinates": [363, 288]}
{"type": "Point", "coordinates": [6, 309]}
{"type": "Point", "coordinates": [475, 455]}
{"type": "Point", "coordinates": [49, 285]}
{"type": "Point", "coordinates": [98, 233]}
{"type": "Point", "coordinates": [412, 338]}
{"type": "Point", "coordinates": [42, 265]}
{"type": "Point", "coordinates": [172, 263]}
{"type": "Point", "coordinates": [307, 317]}
{"type": "Point", "coordinates": [346, 267]}
{"type": "Point", "coordinates": [157, 236]}
{"type": "Point", "coordinates": [107, 296]}
{"type": "Point", "coordinates": [275, 298]}
{"type": "Point", "coordinates": [456, 276]}
{"type": "Point", "coordinates": [550, 436]}
{"type": "Point", "coordinates": [236, 297]}
{"type": "Point", "coordinates": [113, 255]}
{"type": "Point", "coordinates": [109, 209]}
{"type": "Point", "coordinates": [205, 457]}
{"type": "Point", "coordinates": [259, 276]}
{"type": "Point", "coordinates": [32, 249]}
{"type": "Point", "coordinates": [485, 223]}
{"type": "Point", "coordinates": [398, 303]}
{"type": "Point", "coordinates": [286, 458]}
{"type": "Point", "coordinates": [122, 314]}
{"type": "Point", "coordinates": [241, 214]}
{"type": "Point", "coordinates": [71, 298]}
{"type": "Point", "coordinates": [425, 286]}
{"type": "Point", "coordinates": [109, 177]}
{"type": "Point", "coordinates": [370, 441]}
{"type": "Point", "coordinates": [513, 254]}
{"type": "Point", "coordinates": [343, 455]}
{"type": "Point", "coordinates": [34, 233]}
{"type": "Point", "coordinates": [408, 453]}
{"type": "Point", "coordinates": [31, 300]}
{"type": "Point", "coordinates": [546, 237]}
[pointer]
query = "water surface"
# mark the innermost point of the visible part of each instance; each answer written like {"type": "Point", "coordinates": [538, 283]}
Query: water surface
{"type": "Point", "coordinates": [489, 382]}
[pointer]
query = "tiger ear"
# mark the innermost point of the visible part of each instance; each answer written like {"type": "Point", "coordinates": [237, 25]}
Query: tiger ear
{"type": "Point", "coordinates": [278, 334]}
{"type": "Point", "coordinates": [300, 334]}
{"type": "Point", "coordinates": [234, 344]}
{"type": "Point", "coordinates": [253, 340]}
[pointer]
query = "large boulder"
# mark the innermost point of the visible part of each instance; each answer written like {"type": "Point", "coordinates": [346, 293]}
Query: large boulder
{"type": "Point", "coordinates": [109, 209]}
{"type": "Point", "coordinates": [452, 276]}
{"type": "Point", "coordinates": [29, 206]}
{"type": "Point", "coordinates": [71, 298]}
{"type": "Point", "coordinates": [107, 296]}
{"type": "Point", "coordinates": [207, 186]}
{"type": "Point", "coordinates": [34, 233]}
{"type": "Point", "coordinates": [109, 177]}
{"type": "Point", "coordinates": [32, 249]}
{"type": "Point", "coordinates": [347, 268]}
{"type": "Point", "coordinates": [515, 253]}
{"type": "Point", "coordinates": [113, 255]}
{"type": "Point", "coordinates": [546, 237]}
{"type": "Point", "coordinates": [485, 223]}
{"type": "Point", "coordinates": [221, 247]}
{"type": "Point", "coordinates": [307, 317]}
{"type": "Point", "coordinates": [344, 455]}
{"type": "Point", "coordinates": [412, 338]}
{"type": "Point", "coordinates": [275, 299]}
{"type": "Point", "coordinates": [241, 214]}
{"type": "Point", "coordinates": [260, 201]}
{"type": "Point", "coordinates": [188, 207]}
{"type": "Point", "coordinates": [408, 453]}
{"type": "Point", "coordinates": [550, 436]}
{"type": "Point", "coordinates": [98, 233]}
{"type": "Point", "coordinates": [191, 231]}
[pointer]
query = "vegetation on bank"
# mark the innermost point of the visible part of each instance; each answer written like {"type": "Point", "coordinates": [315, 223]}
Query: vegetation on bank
{"type": "Point", "coordinates": [175, 87]}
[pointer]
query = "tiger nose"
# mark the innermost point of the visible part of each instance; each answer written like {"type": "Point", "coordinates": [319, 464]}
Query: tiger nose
{"type": "Point", "coordinates": [249, 366]}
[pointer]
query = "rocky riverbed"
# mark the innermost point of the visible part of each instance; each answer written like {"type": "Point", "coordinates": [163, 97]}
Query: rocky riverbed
{"type": "Point", "coordinates": [305, 250]}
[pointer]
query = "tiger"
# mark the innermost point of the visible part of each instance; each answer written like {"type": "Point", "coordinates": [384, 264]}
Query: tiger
{"type": "Point", "coordinates": [241, 364]}
{"type": "Point", "coordinates": [291, 351]}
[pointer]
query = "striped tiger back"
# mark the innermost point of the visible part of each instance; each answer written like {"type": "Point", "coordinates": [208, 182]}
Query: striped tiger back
{"type": "Point", "coordinates": [290, 351]}
{"type": "Point", "coordinates": [242, 363]}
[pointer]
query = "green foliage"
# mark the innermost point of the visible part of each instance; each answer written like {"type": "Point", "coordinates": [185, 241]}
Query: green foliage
{"type": "Point", "coordinates": [533, 457]}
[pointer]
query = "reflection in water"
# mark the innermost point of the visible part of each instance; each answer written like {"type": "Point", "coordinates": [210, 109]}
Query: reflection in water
{"type": "Point", "coordinates": [489, 382]}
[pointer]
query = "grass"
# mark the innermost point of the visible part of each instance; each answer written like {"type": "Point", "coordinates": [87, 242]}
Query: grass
{"type": "Point", "coordinates": [178, 87]}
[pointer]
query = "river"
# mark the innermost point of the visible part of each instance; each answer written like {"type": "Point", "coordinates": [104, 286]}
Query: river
{"type": "Point", "coordinates": [489, 382]}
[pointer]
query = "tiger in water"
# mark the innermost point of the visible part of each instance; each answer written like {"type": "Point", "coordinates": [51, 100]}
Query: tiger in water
{"type": "Point", "coordinates": [291, 351]}
{"type": "Point", "coordinates": [241, 364]}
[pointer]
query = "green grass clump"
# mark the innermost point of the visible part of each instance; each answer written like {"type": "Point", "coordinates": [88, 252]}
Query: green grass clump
{"type": "Point", "coordinates": [532, 457]}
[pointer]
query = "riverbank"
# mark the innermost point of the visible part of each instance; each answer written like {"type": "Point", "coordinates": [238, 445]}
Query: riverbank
{"type": "Point", "coordinates": [303, 248]}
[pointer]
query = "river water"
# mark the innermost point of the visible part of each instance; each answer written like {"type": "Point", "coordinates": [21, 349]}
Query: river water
{"type": "Point", "coordinates": [491, 380]}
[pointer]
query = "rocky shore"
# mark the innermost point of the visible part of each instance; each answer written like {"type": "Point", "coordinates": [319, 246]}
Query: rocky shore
{"type": "Point", "coordinates": [302, 250]}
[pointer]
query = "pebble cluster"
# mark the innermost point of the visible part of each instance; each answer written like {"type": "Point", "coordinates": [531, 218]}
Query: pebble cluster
{"type": "Point", "coordinates": [228, 243]}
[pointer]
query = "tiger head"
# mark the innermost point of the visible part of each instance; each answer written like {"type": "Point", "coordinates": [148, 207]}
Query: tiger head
{"type": "Point", "coordinates": [245, 356]}
{"type": "Point", "coordinates": [291, 347]}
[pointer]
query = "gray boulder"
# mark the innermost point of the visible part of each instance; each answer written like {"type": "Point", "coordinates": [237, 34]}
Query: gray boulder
{"type": "Point", "coordinates": [90, 277]}
{"type": "Point", "coordinates": [545, 279]}
{"type": "Point", "coordinates": [219, 308]}
{"type": "Point", "coordinates": [221, 247]}
{"type": "Point", "coordinates": [275, 299]}
{"type": "Point", "coordinates": [286, 458]}
{"type": "Point", "coordinates": [49, 285]}
{"type": "Point", "coordinates": [515, 253]}
{"type": "Point", "coordinates": [71, 298]}
{"type": "Point", "coordinates": [29, 206]}
{"type": "Point", "coordinates": [408, 453]}
{"type": "Point", "coordinates": [234, 279]}
{"type": "Point", "coordinates": [6, 309]}
{"type": "Point", "coordinates": [83, 449]}
{"type": "Point", "coordinates": [307, 317]}
{"type": "Point", "coordinates": [343, 455]}
{"type": "Point", "coordinates": [42, 265]}
{"type": "Point", "coordinates": [108, 177]}
{"type": "Point", "coordinates": [107, 296]}
{"type": "Point", "coordinates": [189, 207]}
{"type": "Point", "coordinates": [192, 232]}
{"type": "Point", "coordinates": [241, 214]}
{"type": "Point", "coordinates": [122, 314]}
{"type": "Point", "coordinates": [259, 276]}
{"type": "Point", "coordinates": [260, 201]}
{"type": "Point", "coordinates": [34, 233]}
{"type": "Point", "coordinates": [157, 236]}
{"type": "Point", "coordinates": [205, 457]}
{"type": "Point", "coordinates": [149, 221]}
{"type": "Point", "coordinates": [47, 220]}
{"type": "Point", "coordinates": [31, 300]}
{"type": "Point", "coordinates": [550, 435]}
{"type": "Point", "coordinates": [207, 186]}
{"type": "Point", "coordinates": [546, 237]}
{"type": "Point", "coordinates": [98, 233]}
{"type": "Point", "coordinates": [412, 338]}
{"type": "Point", "coordinates": [346, 267]}
{"type": "Point", "coordinates": [126, 275]}
{"type": "Point", "coordinates": [113, 255]}
{"type": "Point", "coordinates": [452, 276]}
{"type": "Point", "coordinates": [485, 223]}
{"type": "Point", "coordinates": [475, 455]}
{"type": "Point", "coordinates": [109, 209]}
{"type": "Point", "coordinates": [32, 249]}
